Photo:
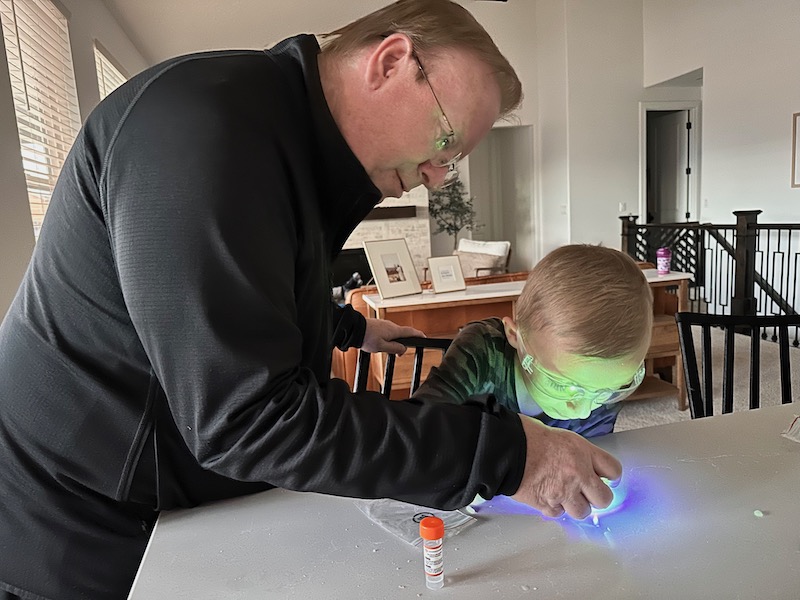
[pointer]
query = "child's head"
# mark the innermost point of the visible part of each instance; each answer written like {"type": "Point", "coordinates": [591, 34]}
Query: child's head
{"type": "Point", "coordinates": [583, 325]}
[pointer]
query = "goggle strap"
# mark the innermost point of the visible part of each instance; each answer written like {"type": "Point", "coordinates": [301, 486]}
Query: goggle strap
{"type": "Point", "coordinates": [527, 364]}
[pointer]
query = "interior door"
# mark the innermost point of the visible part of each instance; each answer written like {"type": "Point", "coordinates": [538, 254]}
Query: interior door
{"type": "Point", "coordinates": [668, 166]}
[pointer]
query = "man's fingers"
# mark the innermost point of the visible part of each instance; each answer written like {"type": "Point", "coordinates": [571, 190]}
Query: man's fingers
{"type": "Point", "coordinates": [605, 465]}
{"type": "Point", "coordinates": [552, 511]}
{"type": "Point", "coordinates": [393, 348]}
{"type": "Point", "coordinates": [598, 493]}
{"type": "Point", "coordinates": [577, 507]}
{"type": "Point", "coordinates": [406, 331]}
{"type": "Point", "coordinates": [565, 472]}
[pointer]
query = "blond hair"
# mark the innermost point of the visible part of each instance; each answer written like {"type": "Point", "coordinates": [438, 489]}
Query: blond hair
{"type": "Point", "coordinates": [595, 299]}
{"type": "Point", "coordinates": [432, 25]}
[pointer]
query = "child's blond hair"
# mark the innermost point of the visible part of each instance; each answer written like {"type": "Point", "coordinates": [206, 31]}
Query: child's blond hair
{"type": "Point", "coordinates": [595, 300]}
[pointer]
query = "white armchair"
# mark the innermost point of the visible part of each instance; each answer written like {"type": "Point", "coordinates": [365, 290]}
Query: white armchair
{"type": "Point", "coordinates": [483, 258]}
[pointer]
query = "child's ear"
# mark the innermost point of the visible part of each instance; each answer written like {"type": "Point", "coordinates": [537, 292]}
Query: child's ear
{"type": "Point", "coordinates": [511, 332]}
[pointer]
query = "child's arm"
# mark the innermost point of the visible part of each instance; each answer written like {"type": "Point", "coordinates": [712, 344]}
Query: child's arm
{"type": "Point", "coordinates": [474, 365]}
{"type": "Point", "coordinates": [455, 380]}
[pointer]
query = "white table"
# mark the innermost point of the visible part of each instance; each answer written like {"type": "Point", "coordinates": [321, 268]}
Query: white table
{"type": "Point", "coordinates": [472, 294]}
{"type": "Point", "coordinates": [687, 529]}
{"type": "Point", "coordinates": [508, 289]}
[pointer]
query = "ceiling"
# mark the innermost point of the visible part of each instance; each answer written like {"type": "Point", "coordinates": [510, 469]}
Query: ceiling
{"type": "Point", "coordinates": [164, 28]}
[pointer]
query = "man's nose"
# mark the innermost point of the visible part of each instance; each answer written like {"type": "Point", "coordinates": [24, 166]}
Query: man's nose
{"type": "Point", "coordinates": [432, 176]}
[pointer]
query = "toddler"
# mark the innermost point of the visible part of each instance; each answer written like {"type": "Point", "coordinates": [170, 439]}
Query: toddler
{"type": "Point", "coordinates": [575, 349]}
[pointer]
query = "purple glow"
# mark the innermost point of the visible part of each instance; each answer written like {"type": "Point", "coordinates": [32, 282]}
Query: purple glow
{"type": "Point", "coordinates": [639, 500]}
{"type": "Point", "coordinates": [506, 506]}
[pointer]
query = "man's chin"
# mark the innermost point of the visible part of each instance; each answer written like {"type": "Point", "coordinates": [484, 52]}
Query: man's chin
{"type": "Point", "coordinates": [390, 190]}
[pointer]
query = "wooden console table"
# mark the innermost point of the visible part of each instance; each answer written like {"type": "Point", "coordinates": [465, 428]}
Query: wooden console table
{"type": "Point", "coordinates": [438, 315]}
{"type": "Point", "coordinates": [442, 315]}
{"type": "Point", "coordinates": [663, 362]}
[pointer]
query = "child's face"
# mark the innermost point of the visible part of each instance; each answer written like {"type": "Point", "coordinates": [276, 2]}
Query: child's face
{"type": "Point", "coordinates": [570, 386]}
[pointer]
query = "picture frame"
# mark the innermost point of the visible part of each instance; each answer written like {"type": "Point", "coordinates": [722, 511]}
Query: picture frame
{"type": "Point", "coordinates": [796, 150]}
{"type": "Point", "coordinates": [392, 267]}
{"type": "Point", "coordinates": [446, 274]}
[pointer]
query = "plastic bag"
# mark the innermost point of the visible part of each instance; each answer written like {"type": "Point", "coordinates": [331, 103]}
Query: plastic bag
{"type": "Point", "coordinates": [402, 519]}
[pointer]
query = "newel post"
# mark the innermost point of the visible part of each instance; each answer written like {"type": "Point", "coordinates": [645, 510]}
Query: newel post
{"type": "Point", "coordinates": [743, 301]}
{"type": "Point", "coordinates": [628, 245]}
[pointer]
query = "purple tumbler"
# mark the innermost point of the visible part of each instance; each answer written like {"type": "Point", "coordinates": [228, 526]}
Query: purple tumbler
{"type": "Point", "coordinates": [663, 260]}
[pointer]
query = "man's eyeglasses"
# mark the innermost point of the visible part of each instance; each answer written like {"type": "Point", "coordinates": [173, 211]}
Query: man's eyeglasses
{"type": "Point", "coordinates": [444, 142]}
{"type": "Point", "coordinates": [545, 382]}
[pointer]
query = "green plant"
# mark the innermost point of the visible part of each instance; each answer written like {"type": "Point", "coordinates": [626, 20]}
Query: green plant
{"type": "Point", "coordinates": [451, 209]}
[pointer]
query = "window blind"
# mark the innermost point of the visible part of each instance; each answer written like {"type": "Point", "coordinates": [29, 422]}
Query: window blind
{"type": "Point", "coordinates": [109, 77]}
{"type": "Point", "coordinates": [45, 99]}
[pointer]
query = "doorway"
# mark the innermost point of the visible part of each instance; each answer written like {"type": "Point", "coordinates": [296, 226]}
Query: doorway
{"type": "Point", "coordinates": [501, 182]}
{"type": "Point", "coordinates": [670, 166]}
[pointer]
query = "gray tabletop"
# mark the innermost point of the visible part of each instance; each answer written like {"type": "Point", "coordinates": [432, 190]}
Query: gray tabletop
{"type": "Point", "coordinates": [707, 509]}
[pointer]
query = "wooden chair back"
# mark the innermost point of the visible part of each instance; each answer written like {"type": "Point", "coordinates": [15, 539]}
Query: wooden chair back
{"type": "Point", "coordinates": [418, 344]}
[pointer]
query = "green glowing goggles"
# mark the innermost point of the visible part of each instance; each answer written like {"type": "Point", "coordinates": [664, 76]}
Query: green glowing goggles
{"type": "Point", "coordinates": [560, 388]}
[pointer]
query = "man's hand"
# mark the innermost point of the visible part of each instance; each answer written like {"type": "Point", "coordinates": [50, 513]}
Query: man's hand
{"type": "Point", "coordinates": [380, 333]}
{"type": "Point", "coordinates": [563, 471]}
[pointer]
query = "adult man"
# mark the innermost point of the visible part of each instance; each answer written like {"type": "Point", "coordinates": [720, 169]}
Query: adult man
{"type": "Point", "coordinates": [170, 343]}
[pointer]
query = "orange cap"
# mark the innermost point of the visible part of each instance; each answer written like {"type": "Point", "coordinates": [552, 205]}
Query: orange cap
{"type": "Point", "coordinates": [431, 528]}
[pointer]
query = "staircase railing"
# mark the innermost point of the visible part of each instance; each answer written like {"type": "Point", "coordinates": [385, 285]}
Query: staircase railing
{"type": "Point", "coordinates": [746, 268]}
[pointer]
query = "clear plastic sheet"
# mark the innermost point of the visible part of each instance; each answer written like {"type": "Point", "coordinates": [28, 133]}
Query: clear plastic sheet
{"type": "Point", "coordinates": [402, 519]}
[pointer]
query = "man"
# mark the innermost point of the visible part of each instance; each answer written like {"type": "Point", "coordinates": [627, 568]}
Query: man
{"type": "Point", "coordinates": [170, 343]}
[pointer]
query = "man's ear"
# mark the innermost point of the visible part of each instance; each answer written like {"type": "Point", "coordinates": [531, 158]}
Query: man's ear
{"type": "Point", "coordinates": [511, 332]}
{"type": "Point", "coordinates": [389, 59]}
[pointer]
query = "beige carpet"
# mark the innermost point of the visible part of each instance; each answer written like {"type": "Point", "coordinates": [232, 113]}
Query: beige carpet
{"type": "Point", "coordinates": [659, 411]}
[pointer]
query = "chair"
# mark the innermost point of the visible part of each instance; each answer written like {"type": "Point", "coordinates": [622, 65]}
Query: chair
{"type": "Point", "coordinates": [701, 395]}
{"type": "Point", "coordinates": [483, 258]}
{"type": "Point", "coordinates": [419, 345]}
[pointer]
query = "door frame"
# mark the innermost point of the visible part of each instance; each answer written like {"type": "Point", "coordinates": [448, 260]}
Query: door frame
{"type": "Point", "coordinates": [693, 106]}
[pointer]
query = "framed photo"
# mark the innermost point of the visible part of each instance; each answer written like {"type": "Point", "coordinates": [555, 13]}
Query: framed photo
{"type": "Point", "coordinates": [392, 268]}
{"type": "Point", "coordinates": [796, 150]}
{"type": "Point", "coordinates": [446, 274]}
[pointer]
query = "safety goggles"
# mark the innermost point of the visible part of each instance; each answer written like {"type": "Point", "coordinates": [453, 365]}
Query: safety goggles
{"type": "Point", "coordinates": [554, 387]}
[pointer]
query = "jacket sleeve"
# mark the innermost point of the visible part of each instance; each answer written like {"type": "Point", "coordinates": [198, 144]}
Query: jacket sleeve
{"type": "Point", "coordinates": [204, 226]}
{"type": "Point", "coordinates": [349, 327]}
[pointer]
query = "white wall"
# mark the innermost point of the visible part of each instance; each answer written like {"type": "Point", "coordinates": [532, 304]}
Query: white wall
{"type": "Point", "coordinates": [513, 184]}
{"type": "Point", "coordinates": [750, 55]}
{"type": "Point", "coordinates": [580, 62]}
{"type": "Point", "coordinates": [512, 26]}
{"type": "Point", "coordinates": [16, 226]}
{"type": "Point", "coordinates": [551, 154]}
{"type": "Point", "coordinates": [589, 88]}
{"type": "Point", "coordinates": [89, 20]}
{"type": "Point", "coordinates": [604, 72]}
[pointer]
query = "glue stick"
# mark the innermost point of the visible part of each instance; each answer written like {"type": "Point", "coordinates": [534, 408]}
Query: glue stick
{"type": "Point", "coordinates": [431, 530]}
